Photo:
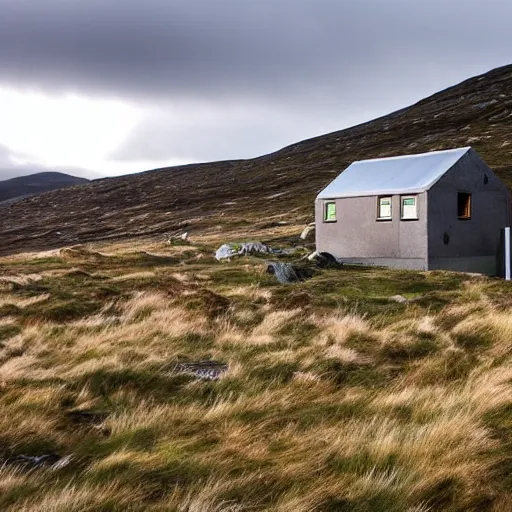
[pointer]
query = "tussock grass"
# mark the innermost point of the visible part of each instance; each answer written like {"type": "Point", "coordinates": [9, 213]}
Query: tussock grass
{"type": "Point", "coordinates": [335, 398]}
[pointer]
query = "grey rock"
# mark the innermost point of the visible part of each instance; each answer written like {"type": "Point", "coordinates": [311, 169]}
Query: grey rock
{"type": "Point", "coordinates": [49, 460]}
{"type": "Point", "coordinates": [399, 298]}
{"type": "Point", "coordinates": [312, 256]}
{"type": "Point", "coordinates": [287, 273]}
{"type": "Point", "coordinates": [308, 233]}
{"type": "Point", "coordinates": [228, 251]}
{"type": "Point", "coordinates": [324, 260]}
{"type": "Point", "coordinates": [203, 370]}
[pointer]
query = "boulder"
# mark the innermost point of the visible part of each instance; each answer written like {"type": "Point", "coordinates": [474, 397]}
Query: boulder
{"type": "Point", "coordinates": [177, 238]}
{"type": "Point", "coordinates": [288, 273]}
{"type": "Point", "coordinates": [324, 260]}
{"type": "Point", "coordinates": [229, 250]}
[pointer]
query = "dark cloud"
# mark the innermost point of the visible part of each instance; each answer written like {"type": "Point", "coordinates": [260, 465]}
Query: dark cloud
{"type": "Point", "coordinates": [192, 48]}
{"type": "Point", "coordinates": [297, 67]}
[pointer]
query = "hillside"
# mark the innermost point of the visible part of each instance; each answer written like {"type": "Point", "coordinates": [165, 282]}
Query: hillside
{"type": "Point", "coordinates": [222, 196]}
{"type": "Point", "coordinates": [151, 378]}
{"type": "Point", "coordinates": [142, 376]}
{"type": "Point", "coordinates": [36, 183]}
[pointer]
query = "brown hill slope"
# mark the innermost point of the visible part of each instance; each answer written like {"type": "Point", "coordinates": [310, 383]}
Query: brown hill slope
{"type": "Point", "coordinates": [220, 196]}
{"type": "Point", "coordinates": [36, 183]}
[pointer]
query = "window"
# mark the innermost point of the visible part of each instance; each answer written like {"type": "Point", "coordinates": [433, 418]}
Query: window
{"type": "Point", "coordinates": [384, 208]}
{"type": "Point", "coordinates": [409, 207]}
{"type": "Point", "coordinates": [330, 212]}
{"type": "Point", "coordinates": [463, 205]}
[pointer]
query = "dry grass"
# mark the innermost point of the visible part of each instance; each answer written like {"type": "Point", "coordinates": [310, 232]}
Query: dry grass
{"type": "Point", "coordinates": [369, 406]}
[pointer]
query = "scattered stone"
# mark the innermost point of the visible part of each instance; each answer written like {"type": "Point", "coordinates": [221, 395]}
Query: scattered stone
{"type": "Point", "coordinates": [50, 460]}
{"type": "Point", "coordinates": [324, 260]}
{"type": "Point", "coordinates": [287, 273]}
{"type": "Point", "coordinates": [62, 463]}
{"type": "Point", "coordinates": [177, 238]}
{"type": "Point", "coordinates": [254, 248]}
{"type": "Point", "coordinates": [312, 256]}
{"type": "Point", "coordinates": [308, 233]}
{"type": "Point", "coordinates": [327, 260]}
{"type": "Point", "coordinates": [204, 370]}
{"type": "Point", "coordinates": [284, 272]}
{"type": "Point", "coordinates": [228, 251]}
{"type": "Point", "coordinates": [400, 299]}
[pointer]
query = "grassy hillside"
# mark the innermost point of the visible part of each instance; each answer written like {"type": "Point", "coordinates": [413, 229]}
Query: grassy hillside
{"type": "Point", "coordinates": [141, 376]}
{"type": "Point", "coordinates": [333, 398]}
{"type": "Point", "coordinates": [221, 196]}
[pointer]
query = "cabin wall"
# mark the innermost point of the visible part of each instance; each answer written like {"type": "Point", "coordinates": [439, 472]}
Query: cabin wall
{"type": "Point", "coordinates": [358, 237]}
{"type": "Point", "coordinates": [469, 245]}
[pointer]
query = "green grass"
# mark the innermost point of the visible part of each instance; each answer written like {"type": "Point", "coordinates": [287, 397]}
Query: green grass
{"type": "Point", "coordinates": [335, 398]}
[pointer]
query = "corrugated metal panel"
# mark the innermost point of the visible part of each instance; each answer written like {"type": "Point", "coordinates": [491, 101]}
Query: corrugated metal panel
{"type": "Point", "coordinates": [409, 174]}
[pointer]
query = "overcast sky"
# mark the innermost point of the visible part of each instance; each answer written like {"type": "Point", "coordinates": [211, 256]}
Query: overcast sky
{"type": "Point", "coordinates": [104, 87]}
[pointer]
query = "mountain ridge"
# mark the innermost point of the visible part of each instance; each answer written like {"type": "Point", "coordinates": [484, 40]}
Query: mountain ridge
{"type": "Point", "coordinates": [22, 186]}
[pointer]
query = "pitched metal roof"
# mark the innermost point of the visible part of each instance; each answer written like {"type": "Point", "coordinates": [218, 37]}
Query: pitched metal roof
{"type": "Point", "coordinates": [409, 174]}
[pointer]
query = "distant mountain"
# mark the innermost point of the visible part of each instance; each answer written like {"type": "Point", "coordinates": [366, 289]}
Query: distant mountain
{"type": "Point", "coordinates": [36, 183]}
{"type": "Point", "coordinates": [241, 198]}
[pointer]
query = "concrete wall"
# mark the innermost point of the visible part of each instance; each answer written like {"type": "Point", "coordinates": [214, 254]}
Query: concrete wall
{"type": "Point", "coordinates": [473, 244]}
{"type": "Point", "coordinates": [358, 237]}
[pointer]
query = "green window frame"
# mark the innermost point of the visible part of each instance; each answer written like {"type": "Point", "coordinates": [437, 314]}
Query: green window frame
{"type": "Point", "coordinates": [409, 207]}
{"type": "Point", "coordinates": [330, 211]}
{"type": "Point", "coordinates": [384, 208]}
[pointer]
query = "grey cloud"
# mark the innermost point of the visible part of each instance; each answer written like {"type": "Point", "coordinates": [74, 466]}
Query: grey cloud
{"type": "Point", "coordinates": [297, 68]}
{"type": "Point", "coordinates": [201, 138]}
{"type": "Point", "coordinates": [202, 132]}
{"type": "Point", "coordinates": [189, 48]}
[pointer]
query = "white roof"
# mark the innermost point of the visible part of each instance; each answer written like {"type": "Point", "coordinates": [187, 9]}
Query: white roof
{"type": "Point", "coordinates": [409, 174]}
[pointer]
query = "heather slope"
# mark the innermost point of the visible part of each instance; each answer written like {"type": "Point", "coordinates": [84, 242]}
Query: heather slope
{"type": "Point", "coordinates": [330, 397]}
{"type": "Point", "coordinates": [220, 196]}
{"type": "Point", "coordinates": [36, 183]}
